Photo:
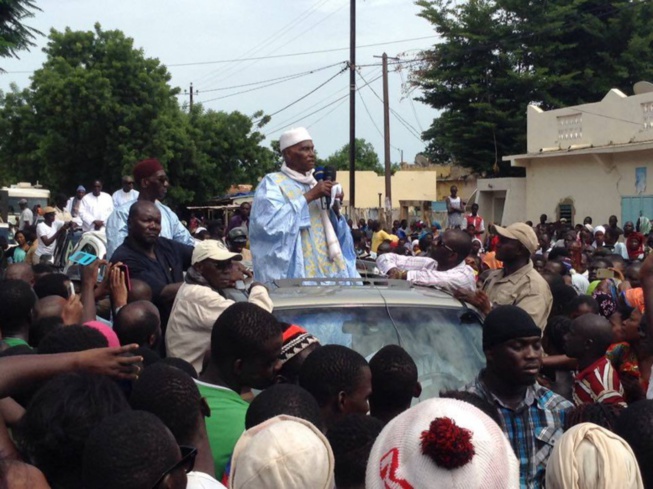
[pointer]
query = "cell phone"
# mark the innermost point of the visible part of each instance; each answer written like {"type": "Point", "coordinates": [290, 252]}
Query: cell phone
{"type": "Point", "coordinates": [71, 289]}
{"type": "Point", "coordinates": [82, 258]}
{"type": "Point", "coordinates": [603, 273]}
{"type": "Point", "coordinates": [125, 270]}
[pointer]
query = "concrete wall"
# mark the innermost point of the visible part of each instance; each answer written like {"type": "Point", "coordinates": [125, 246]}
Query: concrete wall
{"type": "Point", "coordinates": [595, 182]}
{"type": "Point", "coordinates": [617, 119]}
{"type": "Point", "coordinates": [492, 191]}
{"type": "Point", "coordinates": [406, 185]}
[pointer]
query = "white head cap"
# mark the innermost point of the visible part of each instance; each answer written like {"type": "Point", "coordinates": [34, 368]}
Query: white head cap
{"type": "Point", "coordinates": [442, 443]}
{"type": "Point", "coordinates": [294, 136]}
{"type": "Point", "coordinates": [282, 453]}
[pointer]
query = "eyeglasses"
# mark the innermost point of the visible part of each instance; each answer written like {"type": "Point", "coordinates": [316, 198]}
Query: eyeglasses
{"type": "Point", "coordinates": [187, 462]}
{"type": "Point", "coordinates": [440, 242]}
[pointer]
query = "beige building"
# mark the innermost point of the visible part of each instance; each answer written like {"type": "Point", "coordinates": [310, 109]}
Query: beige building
{"type": "Point", "coordinates": [587, 160]}
{"type": "Point", "coordinates": [416, 187]}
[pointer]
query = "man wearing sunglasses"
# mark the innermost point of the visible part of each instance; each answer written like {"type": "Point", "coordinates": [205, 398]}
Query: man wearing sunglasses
{"type": "Point", "coordinates": [200, 301]}
{"type": "Point", "coordinates": [151, 178]}
{"type": "Point", "coordinates": [444, 266]}
{"type": "Point", "coordinates": [126, 193]}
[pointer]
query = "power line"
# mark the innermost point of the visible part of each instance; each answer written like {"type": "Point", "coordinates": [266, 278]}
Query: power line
{"type": "Point", "coordinates": [343, 100]}
{"type": "Point", "coordinates": [280, 80]}
{"type": "Point", "coordinates": [412, 105]}
{"type": "Point", "coordinates": [305, 53]}
{"type": "Point", "coordinates": [303, 96]}
{"type": "Point", "coordinates": [275, 49]}
{"type": "Point", "coordinates": [401, 120]}
{"type": "Point", "coordinates": [281, 32]}
{"type": "Point", "coordinates": [295, 75]}
{"type": "Point", "coordinates": [281, 127]}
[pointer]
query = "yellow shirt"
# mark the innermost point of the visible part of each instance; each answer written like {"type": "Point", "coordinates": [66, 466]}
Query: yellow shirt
{"type": "Point", "coordinates": [379, 237]}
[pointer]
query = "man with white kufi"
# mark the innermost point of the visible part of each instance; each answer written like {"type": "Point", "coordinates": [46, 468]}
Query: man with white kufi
{"type": "Point", "coordinates": [291, 234]}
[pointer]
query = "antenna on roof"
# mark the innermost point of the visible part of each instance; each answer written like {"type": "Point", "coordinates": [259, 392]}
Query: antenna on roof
{"type": "Point", "coordinates": [642, 87]}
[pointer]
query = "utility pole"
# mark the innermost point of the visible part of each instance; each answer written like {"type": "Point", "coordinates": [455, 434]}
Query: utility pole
{"type": "Point", "coordinates": [191, 93]}
{"type": "Point", "coordinates": [352, 112]}
{"type": "Point", "coordinates": [386, 139]}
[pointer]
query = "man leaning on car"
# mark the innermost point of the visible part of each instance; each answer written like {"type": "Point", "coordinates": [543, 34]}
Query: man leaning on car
{"type": "Point", "coordinates": [444, 267]}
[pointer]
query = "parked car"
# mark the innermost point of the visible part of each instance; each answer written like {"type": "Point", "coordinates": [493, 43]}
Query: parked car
{"type": "Point", "coordinates": [441, 333]}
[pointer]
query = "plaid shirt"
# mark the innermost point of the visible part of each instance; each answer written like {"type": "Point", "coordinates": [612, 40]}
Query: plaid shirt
{"type": "Point", "coordinates": [532, 428]}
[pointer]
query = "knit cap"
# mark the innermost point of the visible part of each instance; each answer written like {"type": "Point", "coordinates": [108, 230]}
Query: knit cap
{"type": "Point", "coordinates": [443, 443]}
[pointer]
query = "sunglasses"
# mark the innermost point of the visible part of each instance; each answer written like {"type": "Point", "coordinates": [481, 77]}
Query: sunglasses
{"type": "Point", "coordinates": [187, 462]}
{"type": "Point", "coordinates": [440, 242]}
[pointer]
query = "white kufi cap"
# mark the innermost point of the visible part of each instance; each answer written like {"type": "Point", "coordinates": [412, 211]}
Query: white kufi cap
{"type": "Point", "coordinates": [292, 137]}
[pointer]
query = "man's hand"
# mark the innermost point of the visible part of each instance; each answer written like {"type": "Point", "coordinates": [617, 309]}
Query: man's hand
{"type": "Point", "coordinates": [239, 272]}
{"type": "Point", "coordinates": [478, 299]}
{"type": "Point", "coordinates": [396, 273]}
{"type": "Point", "coordinates": [90, 272]}
{"type": "Point", "coordinates": [118, 287]}
{"type": "Point", "coordinates": [72, 311]}
{"type": "Point", "coordinates": [322, 189]}
{"type": "Point", "coordinates": [114, 362]}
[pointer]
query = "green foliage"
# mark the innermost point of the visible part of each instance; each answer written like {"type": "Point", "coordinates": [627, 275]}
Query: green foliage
{"type": "Point", "coordinates": [14, 35]}
{"type": "Point", "coordinates": [497, 56]}
{"type": "Point", "coordinates": [98, 105]}
{"type": "Point", "coordinates": [366, 158]}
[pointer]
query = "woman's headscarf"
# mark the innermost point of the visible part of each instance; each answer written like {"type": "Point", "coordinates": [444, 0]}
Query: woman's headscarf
{"type": "Point", "coordinates": [590, 457]}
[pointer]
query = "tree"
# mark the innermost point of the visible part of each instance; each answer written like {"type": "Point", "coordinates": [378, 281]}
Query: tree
{"type": "Point", "coordinates": [226, 151]}
{"type": "Point", "coordinates": [497, 56]}
{"type": "Point", "coordinates": [14, 35]}
{"type": "Point", "coordinates": [366, 158]}
{"type": "Point", "coordinates": [98, 105]}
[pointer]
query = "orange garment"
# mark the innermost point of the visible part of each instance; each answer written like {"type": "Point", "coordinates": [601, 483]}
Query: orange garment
{"type": "Point", "coordinates": [635, 298]}
{"type": "Point", "coordinates": [490, 260]}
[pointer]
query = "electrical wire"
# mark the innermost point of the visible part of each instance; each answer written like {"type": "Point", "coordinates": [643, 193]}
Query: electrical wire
{"type": "Point", "coordinates": [281, 127]}
{"type": "Point", "coordinates": [302, 97]}
{"type": "Point", "coordinates": [401, 120]}
{"type": "Point", "coordinates": [281, 32]}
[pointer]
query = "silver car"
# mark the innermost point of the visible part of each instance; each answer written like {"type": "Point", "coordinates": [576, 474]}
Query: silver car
{"type": "Point", "coordinates": [442, 334]}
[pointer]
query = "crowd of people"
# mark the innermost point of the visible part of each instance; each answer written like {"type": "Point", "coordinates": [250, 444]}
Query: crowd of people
{"type": "Point", "coordinates": [165, 367]}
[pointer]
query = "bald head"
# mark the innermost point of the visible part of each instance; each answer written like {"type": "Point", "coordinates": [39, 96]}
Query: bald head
{"type": "Point", "coordinates": [138, 322]}
{"type": "Point", "coordinates": [50, 306]}
{"type": "Point", "coordinates": [142, 206]}
{"type": "Point", "coordinates": [589, 337]}
{"type": "Point", "coordinates": [20, 271]}
{"type": "Point", "coordinates": [140, 291]}
{"type": "Point", "coordinates": [459, 241]}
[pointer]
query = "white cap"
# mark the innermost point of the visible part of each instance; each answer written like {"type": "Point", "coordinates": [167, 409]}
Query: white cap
{"type": "Point", "coordinates": [442, 443]}
{"type": "Point", "coordinates": [292, 137]}
{"type": "Point", "coordinates": [282, 453]}
{"type": "Point", "coordinates": [214, 250]}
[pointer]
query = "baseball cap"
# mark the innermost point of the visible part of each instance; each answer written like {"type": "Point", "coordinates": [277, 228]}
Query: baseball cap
{"type": "Point", "coordinates": [522, 232]}
{"type": "Point", "coordinates": [211, 249]}
{"type": "Point", "coordinates": [22, 201]}
{"type": "Point", "coordinates": [237, 235]}
{"type": "Point", "coordinates": [49, 210]}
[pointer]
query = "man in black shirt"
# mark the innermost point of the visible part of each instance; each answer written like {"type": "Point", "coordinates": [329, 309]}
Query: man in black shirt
{"type": "Point", "coordinates": [160, 262]}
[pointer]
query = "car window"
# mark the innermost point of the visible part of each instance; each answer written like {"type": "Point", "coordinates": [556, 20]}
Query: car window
{"type": "Point", "coordinates": [365, 329]}
{"type": "Point", "coordinates": [444, 342]}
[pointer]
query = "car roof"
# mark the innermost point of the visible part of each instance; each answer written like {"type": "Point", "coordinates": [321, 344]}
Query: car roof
{"type": "Point", "coordinates": [307, 292]}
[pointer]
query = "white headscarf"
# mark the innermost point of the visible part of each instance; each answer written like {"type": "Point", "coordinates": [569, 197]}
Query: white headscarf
{"type": "Point", "coordinates": [590, 457]}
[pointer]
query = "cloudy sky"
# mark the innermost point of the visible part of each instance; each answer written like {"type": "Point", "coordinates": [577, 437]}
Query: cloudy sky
{"type": "Point", "coordinates": [199, 39]}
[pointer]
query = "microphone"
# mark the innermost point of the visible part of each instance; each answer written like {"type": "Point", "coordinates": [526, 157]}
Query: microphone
{"type": "Point", "coordinates": [328, 174]}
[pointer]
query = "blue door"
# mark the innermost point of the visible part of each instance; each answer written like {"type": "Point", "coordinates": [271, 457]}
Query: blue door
{"type": "Point", "coordinates": [633, 207]}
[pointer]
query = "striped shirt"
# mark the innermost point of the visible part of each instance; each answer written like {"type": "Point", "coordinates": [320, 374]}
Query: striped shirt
{"type": "Point", "coordinates": [423, 271]}
{"type": "Point", "coordinates": [532, 427]}
{"type": "Point", "coordinates": [599, 383]}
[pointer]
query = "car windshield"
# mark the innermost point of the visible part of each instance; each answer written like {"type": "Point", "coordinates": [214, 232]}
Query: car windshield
{"type": "Point", "coordinates": [445, 342]}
